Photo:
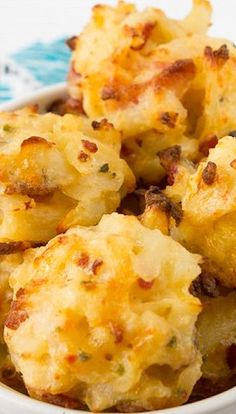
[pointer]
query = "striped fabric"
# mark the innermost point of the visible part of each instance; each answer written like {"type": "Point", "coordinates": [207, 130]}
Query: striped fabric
{"type": "Point", "coordinates": [38, 65]}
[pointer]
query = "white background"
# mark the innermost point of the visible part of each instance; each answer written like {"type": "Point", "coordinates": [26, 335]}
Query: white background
{"type": "Point", "coordinates": [24, 21]}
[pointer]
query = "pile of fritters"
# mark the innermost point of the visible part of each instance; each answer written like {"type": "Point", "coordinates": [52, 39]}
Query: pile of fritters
{"type": "Point", "coordinates": [118, 220]}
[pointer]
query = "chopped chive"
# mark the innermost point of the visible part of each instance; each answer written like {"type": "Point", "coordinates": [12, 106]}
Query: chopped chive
{"type": "Point", "coordinates": [121, 369]}
{"type": "Point", "coordinates": [172, 343]}
{"type": "Point", "coordinates": [7, 128]}
{"type": "Point", "coordinates": [83, 356]}
{"type": "Point", "coordinates": [180, 392]}
{"type": "Point", "coordinates": [104, 168]}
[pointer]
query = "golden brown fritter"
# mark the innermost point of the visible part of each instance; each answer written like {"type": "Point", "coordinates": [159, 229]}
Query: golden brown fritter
{"type": "Point", "coordinates": [216, 339]}
{"type": "Point", "coordinates": [161, 82]}
{"type": "Point", "coordinates": [57, 172]}
{"type": "Point", "coordinates": [116, 54]}
{"type": "Point", "coordinates": [118, 325]}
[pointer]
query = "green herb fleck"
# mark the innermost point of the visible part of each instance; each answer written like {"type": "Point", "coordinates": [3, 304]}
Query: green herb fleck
{"type": "Point", "coordinates": [180, 392]}
{"type": "Point", "coordinates": [104, 168]}
{"type": "Point", "coordinates": [7, 128]}
{"type": "Point", "coordinates": [121, 369]}
{"type": "Point", "coordinates": [83, 356]}
{"type": "Point", "coordinates": [172, 342]}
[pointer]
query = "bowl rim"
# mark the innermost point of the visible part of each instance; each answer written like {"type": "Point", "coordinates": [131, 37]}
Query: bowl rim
{"type": "Point", "coordinates": [9, 395]}
{"type": "Point", "coordinates": [38, 95]}
{"type": "Point", "coordinates": [209, 405]}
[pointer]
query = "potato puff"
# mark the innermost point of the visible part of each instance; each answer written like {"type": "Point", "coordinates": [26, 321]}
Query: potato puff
{"type": "Point", "coordinates": [57, 172]}
{"type": "Point", "coordinates": [122, 33]}
{"type": "Point", "coordinates": [158, 93]}
{"type": "Point", "coordinates": [210, 101]}
{"type": "Point", "coordinates": [154, 74]}
{"type": "Point", "coordinates": [141, 151]}
{"type": "Point", "coordinates": [119, 322]}
{"type": "Point", "coordinates": [141, 105]}
{"type": "Point", "coordinates": [113, 71]}
{"type": "Point", "coordinates": [123, 29]}
{"type": "Point", "coordinates": [209, 205]}
{"type": "Point", "coordinates": [216, 328]}
{"type": "Point", "coordinates": [207, 123]}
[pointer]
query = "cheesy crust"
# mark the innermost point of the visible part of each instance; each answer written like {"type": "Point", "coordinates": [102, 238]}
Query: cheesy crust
{"type": "Point", "coordinates": [118, 323]}
{"type": "Point", "coordinates": [57, 172]}
{"type": "Point", "coordinates": [160, 81]}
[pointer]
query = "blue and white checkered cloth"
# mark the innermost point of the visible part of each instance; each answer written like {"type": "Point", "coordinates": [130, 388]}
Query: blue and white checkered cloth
{"type": "Point", "coordinates": [38, 65]}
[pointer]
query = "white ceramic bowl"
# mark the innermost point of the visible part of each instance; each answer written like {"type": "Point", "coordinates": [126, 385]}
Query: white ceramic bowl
{"type": "Point", "coordinates": [12, 402]}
